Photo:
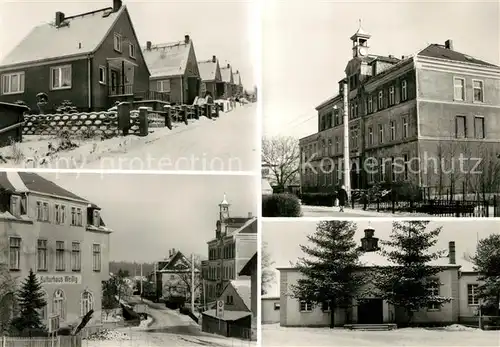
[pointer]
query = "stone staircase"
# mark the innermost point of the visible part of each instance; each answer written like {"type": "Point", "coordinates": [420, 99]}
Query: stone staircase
{"type": "Point", "coordinates": [371, 327]}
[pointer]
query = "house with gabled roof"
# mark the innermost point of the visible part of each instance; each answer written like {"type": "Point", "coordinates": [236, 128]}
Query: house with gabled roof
{"type": "Point", "coordinates": [211, 78]}
{"type": "Point", "coordinates": [173, 276]}
{"type": "Point", "coordinates": [91, 59]}
{"type": "Point", "coordinates": [174, 70]}
{"type": "Point", "coordinates": [237, 85]}
{"type": "Point", "coordinates": [227, 79]}
{"type": "Point", "coordinates": [61, 237]}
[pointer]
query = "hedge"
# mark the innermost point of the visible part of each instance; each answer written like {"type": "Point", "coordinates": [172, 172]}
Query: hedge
{"type": "Point", "coordinates": [318, 199]}
{"type": "Point", "coordinates": [280, 205]}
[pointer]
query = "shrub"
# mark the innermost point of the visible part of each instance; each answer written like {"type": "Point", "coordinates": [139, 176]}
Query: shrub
{"type": "Point", "coordinates": [318, 199]}
{"type": "Point", "coordinates": [280, 205]}
{"type": "Point", "coordinates": [129, 314]}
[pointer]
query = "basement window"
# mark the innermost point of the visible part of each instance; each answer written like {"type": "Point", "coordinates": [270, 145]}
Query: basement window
{"type": "Point", "coordinates": [277, 306]}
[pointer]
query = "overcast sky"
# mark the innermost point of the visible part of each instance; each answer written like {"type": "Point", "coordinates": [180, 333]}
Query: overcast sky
{"type": "Point", "coordinates": [284, 238]}
{"type": "Point", "coordinates": [218, 28]}
{"type": "Point", "coordinates": [306, 46]}
{"type": "Point", "coordinates": [151, 214]}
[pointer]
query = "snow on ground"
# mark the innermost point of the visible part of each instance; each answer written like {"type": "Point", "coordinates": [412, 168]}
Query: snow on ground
{"type": "Point", "coordinates": [146, 322]}
{"type": "Point", "coordinates": [274, 335]}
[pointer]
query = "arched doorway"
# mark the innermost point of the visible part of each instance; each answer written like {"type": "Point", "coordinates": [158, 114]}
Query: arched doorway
{"type": "Point", "coordinates": [59, 304]}
{"type": "Point", "coordinates": [354, 176]}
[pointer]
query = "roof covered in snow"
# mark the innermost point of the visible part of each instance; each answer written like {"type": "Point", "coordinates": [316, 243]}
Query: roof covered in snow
{"type": "Point", "coordinates": [236, 78]}
{"type": "Point", "coordinates": [208, 70]}
{"type": "Point", "coordinates": [227, 74]}
{"type": "Point", "coordinates": [243, 289]}
{"type": "Point", "coordinates": [230, 316]}
{"type": "Point", "coordinates": [439, 51]}
{"type": "Point", "coordinates": [79, 35]}
{"type": "Point", "coordinates": [168, 59]}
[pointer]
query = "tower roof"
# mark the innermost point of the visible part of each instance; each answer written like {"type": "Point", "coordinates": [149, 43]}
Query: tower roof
{"type": "Point", "coordinates": [224, 201]}
{"type": "Point", "coordinates": [360, 33]}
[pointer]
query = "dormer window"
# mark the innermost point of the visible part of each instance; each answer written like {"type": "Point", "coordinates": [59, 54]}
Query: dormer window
{"type": "Point", "coordinates": [15, 205]}
{"type": "Point", "coordinates": [96, 218]}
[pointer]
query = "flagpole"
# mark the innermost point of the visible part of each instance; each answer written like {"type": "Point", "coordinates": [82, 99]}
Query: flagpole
{"type": "Point", "coordinates": [192, 282]}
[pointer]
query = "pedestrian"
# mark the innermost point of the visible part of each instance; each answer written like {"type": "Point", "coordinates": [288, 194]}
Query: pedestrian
{"type": "Point", "coordinates": [342, 196]}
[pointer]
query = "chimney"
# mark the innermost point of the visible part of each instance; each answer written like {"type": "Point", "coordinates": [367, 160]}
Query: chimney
{"type": "Point", "coordinates": [403, 57]}
{"type": "Point", "coordinates": [228, 65]}
{"type": "Point", "coordinates": [214, 59]}
{"type": "Point", "coordinates": [148, 45]}
{"type": "Point", "coordinates": [249, 214]}
{"type": "Point", "coordinates": [117, 4]}
{"type": "Point", "coordinates": [173, 251]}
{"type": "Point", "coordinates": [451, 254]}
{"type": "Point", "coordinates": [186, 39]}
{"type": "Point", "coordinates": [391, 56]}
{"type": "Point", "coordinates": [449, 44]}
{"type": "Point", "coordinates": [169, 253]}
{"type": "Point", "coordinates": [59, 18]}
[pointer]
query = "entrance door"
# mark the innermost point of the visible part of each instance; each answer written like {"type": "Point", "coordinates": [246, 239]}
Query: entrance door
{"type": "Point", "coordinates": [354, 176]}
{"type": "Point", "coordinates": [114, 82]}
{"type": "Point", "coordinates": [193, 89]}
{"type": "Point", "coordinates": [371, 311]}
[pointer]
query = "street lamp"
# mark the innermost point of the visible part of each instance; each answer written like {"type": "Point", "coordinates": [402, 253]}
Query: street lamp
{"type": "Point", "coordinates": [345, 109]}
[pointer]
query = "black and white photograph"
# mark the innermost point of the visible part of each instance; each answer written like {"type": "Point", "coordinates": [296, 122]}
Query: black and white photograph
{"type": "Point", "coordinates": [128, 85]}
{"type": "Point", "coordinates": [128, 260]}
{"type": "Point", "coordinates": [380, 283]}
{"type": "Point", "coordinates": [381, 109]}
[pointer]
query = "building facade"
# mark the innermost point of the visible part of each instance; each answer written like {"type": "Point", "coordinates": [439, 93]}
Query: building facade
{"type": "Point", "coordinates": [62, 238]}
{"type": "Point", "coordinates": [458, 281]}
{"type": "Point", "coordinates": [174, 70]}
{"type": "Point", "coordinates": [65, 60]}
{"type": "Point", "coordinates": [270, 310]}
{"type": "Point", "coordinates": [211, 79]}
{"type": "Point", "coordinates": [410, 119]}
{"type": "Point", "coordinates": [227, 79]}
{"type": "Point", "coordinates": [234, 245]}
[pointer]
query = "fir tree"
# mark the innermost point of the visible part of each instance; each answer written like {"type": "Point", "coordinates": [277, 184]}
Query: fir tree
{"type": "Point", "coordinates": [329, 271]}
{"type": "Point", "coordinates": [30, 299]}
{"type": "Point", "coordinates": [406, 285]}
{"type": "Point", "coordinates": [487, 263]}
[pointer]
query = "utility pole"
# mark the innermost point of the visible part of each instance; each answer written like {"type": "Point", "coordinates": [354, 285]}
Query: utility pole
{"type": "Point", "coordinates": [347, 177]}
{"type": "Point", "coordinates": [192, 282]}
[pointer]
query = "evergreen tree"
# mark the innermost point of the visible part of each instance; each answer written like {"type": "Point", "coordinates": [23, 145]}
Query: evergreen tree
{"type": "Point", "coordinates": [406, 285]}
{"type": "Point", "coordinates": [330, 270]}
{"type": "Point", "coordinates": [30, 299]}
{"type": "Point", "coordinates": [487, 263]}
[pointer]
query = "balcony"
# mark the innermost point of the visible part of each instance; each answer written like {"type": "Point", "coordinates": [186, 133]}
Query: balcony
{"type": "Point", "coordinates": [121, 89]}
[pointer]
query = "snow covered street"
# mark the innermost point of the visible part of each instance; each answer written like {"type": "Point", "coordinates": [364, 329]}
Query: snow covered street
{"type": "Point", "coordinates": [274, 335]}
{"type": "Point", "coordinates": [227, 143]}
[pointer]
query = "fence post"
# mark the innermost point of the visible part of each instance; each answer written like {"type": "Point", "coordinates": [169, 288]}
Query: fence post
{"type": "Point", "coordinates": [168, 116]}
{"type": "Point", "coordinates": [393, 202]}
{"type": "Point", "coordinates": [378, 204]}
{"type": "Point", "coordinates": [124, 109]}
{"type": "Point", "coordinates": [208, 110]}
{"type": "Point", "coordinates": [457, 208]}
{"type": "Point", "coordinates": [487, 207]}
{"type": "Point", "coordinates": [196, 111]}
{"type": "Point", "coordinates": [495, 206]}
{"type": "Point", "coordinates": [4, 341]}
{"type": "Point", "coordinates": [143, 121]}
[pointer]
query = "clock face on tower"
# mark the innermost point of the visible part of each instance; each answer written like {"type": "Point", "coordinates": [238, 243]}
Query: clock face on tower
{"type": "Point", "coordinates": [362, 51]}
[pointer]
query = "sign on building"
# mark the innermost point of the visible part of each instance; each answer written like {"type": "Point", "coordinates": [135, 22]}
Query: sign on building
{"type": "Point", "coordinates": [60, 279]}
{"type": "Point", "coordinates": [53, 325]}
{"type": "Point", "coordinates": [220, 308]}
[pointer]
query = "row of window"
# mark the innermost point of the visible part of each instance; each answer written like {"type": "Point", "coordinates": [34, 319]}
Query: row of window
{"type": "Point", "coordinates": [225, 252]}
{"type": "Point", "coordinates": [460, 94]}
{"type": "Point", "coordinates": [60, 76]}
{"type": "Point", "coordinates": [61, 264]}
{"type": "Point", "coordinates": [461, 130]}
{"type": "Point", "coordinates": [472, 299]}
{"type": "Point", "coordinates": [59, 304]}
{"type": "Point", "coordinates": [215, 273]}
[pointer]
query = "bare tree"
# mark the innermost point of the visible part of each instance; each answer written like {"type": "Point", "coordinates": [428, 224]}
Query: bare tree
{"type": "Point", "coordinates": [282, 155]}
{"type": "Point", "coordinates": [182, 283]}
{"type": "Point", "coordinates": [8, 289]}
{"type": "Point", "coordinates": [485, 177]}
{"type": "Point", "coordinates": [267, 273]}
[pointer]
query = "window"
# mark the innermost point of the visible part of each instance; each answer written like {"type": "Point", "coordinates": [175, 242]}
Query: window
{"type": "Point", "coordinates": [79, 220]}
{"type": "Point", "coordinates": [370, 105]}
{"type": "Point", "coordinates": [229, 300]}
{"type": "Point", "coordinates": [337, 145]}
{"type": "Point", "coordinates": [355, 108]}
{"type": "Point", "coordinates": [405, 127]}
{"type": "Point", "coordinates": [57, 214]}
{"type": "Point", "coordinates": [393, 130]}
{"type": "Point", "coordinates": [460, 127]}
{"type": "Point", "coordinates": [118, 42]}
{"type": "Point", "coordinates": [164, 86]}
{"type": "Point", "coordinates": [60, 263]}
{"type": "Point", "coordinates": [380, 100]}
{"type": "Point", "coordinates": [39, 213]}
{"type": "Point", "coordinates": [479, 127]}
{"type": "Point", "coordinates": [15, 205]}
{"type": "Point", "coordinates": [43, 311]}
{"type": "Point", "coordinates": [375, 109]}
{"type": "Point", "coordinates": [97, 218]}
{"type": "Point", "coordinates": [102, 74]}
{"type": "Point", "coordinates": [63, 214]}
{"type": "Point", "coordinates": [370, 136]}
{"type": "Point", "coordinates": [478, 90]}
{"type": "Point", "coordinates": [459, 88]}
{"type": "Point", "coordinates": [45, 212]}
{"type": "Point", "coordinates": [96, 257]}
{"type": "Point", "coordinates": [76, 257]}
{"type": "Point", "coordinates": [407, 167]}
{"type": "Point", "coordinates": [404, 90]}
{"type": "Point", "coordinates": [380, 133]}
{"type": "Point", "coordinates": [351, 115]}
{"type": "Point", "coordinates": [131, 50]}
{"type": "Point", "coordinates": [13, 83]}
{"type": "Point", "coordinates": [325, 306]}
{"type": "Point", "coordinates": [59, 304]}
{"type": "Point", "coordinates": [393, 172]}
{"type": "Point", "coordinates": [14, 253]}
{"type": "Point", "coordinates": [330, 147]}
{"type": "Point", "coordinates": [60, 77]}
{"type": "Point", "coordinates": [472, 291]}
{"type": "Point", "coordinates": [42, 255]}
{"type": "Point", "coordinates": [87, 303]}
{"type": "Point", "coordinates": [391, 96]}
{"type": "Point", "coordinates": [73, 216]}
{"type": "Point", "coordinates": [305, 306]}
{"type": "Point", "coordinates": [277, 306]}
{"type": "Point", "coordinates": [433, 290]}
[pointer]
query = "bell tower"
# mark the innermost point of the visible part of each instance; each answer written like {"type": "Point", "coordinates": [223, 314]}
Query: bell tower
{"type": "Point", "coordinates": [224, 209]}
{"type": "Point", "coordinates": [360, 43]}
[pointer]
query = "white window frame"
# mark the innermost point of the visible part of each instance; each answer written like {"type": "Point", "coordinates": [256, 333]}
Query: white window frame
{"type": "Point", "coordinates": [73, 221]}
{"type": "Point", "coordinates": [18, 247]}
{"type": "Point", "coordinates": [484, 127]}
{"type": "Point", "coordinates": [42, 265]}
{"type": "Point", "coordinates": [87, 302]}
{"type": "Point", "coordinates": [59, 297]}
{"type": "Point", "coordinates": [20, 83]}
{"type": "Point", "coordinates": [96, 257]}
{"type": "Point", "coordinates": [370, 105]}
{"type": "Point", "coordinates": [455, 85]}
{"type": "Point", "coordinates": [131, 50]}
{"type": "Point", "coordinates": [45, 211]}
{"type": "Point", "coordinates": [473, 294]}
{"type": "Point", "coordinates": [370, 136]}
{"type": "Point", "coordinates": [393, 130]}
{"type": "Point", "coordinates": [434, 290]}
{"type": "Point", "coordinates": [405, 127]}
{"type": "Point", "coordinates": [392, 99]}
{"type": "Point", "coordinates": [380, 100]}
{"type": "Point", "coordinates": [39, 210]}
{"type": "Point", "coordinates": [380, 133]}
{"type": "Point", "coordinates": [104, 74]}
{"type": "Point", "coordinates": [60, 69]}
{"type": "Point", "coordinates": [15, 205]}
{"type": "Point", "coordinates": [474, 89]}
{"type": "Point", "coordinates": [58, 251]}
{"type": "Point", "coordinates": [404, 90]}
{"type": "Point", "coordinates": [79, 217]}
{"type": "Point", "coordinates": [308, 306]}
{"type": "Point", "coordinates": [161, 86]}
{"type": "Point", "coordinates": [117, 42]}
{"type": "Point", "coordinates": [76, 256]}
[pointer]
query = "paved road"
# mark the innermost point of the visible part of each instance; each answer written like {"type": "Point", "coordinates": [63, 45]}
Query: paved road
{"type": "Point", "coordinates": [322, 211]}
